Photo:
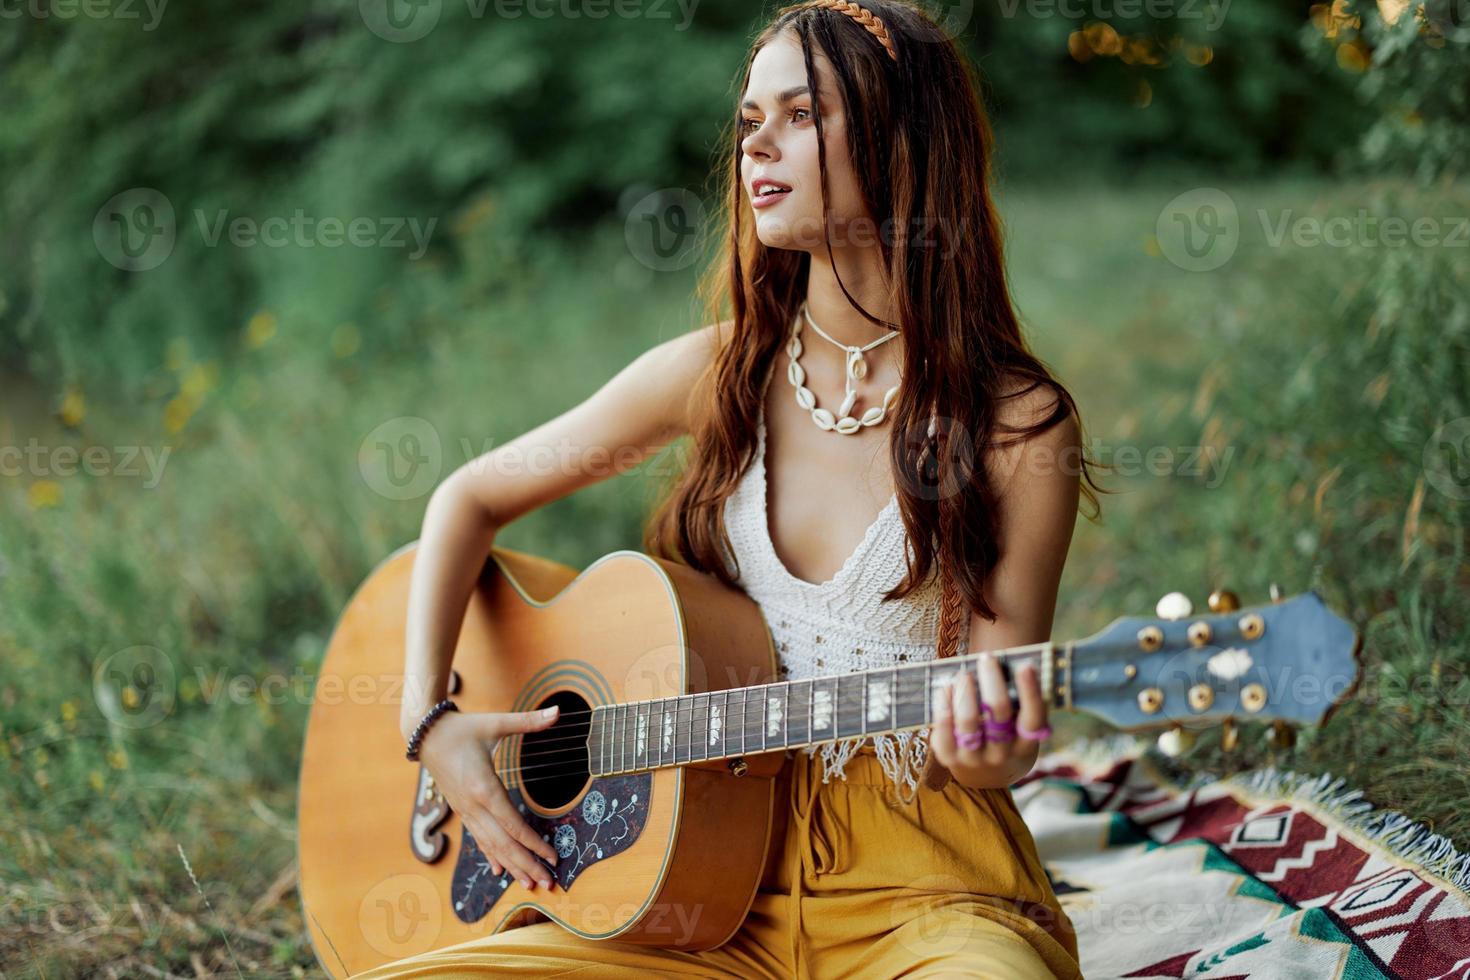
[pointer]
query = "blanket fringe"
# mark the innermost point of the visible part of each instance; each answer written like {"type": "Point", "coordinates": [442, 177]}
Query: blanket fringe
{"type": "Point", "coordinates": [1405, 838]}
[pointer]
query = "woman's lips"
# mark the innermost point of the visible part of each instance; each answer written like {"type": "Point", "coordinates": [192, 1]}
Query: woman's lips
{"type": "Point", "coordinates": [766, 200]}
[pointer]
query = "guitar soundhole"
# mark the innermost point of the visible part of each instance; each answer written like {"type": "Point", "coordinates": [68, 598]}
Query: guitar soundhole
{"type": "Point", "coordinates": [603, 816]}
{"type": "Point", "coordinates": [553, 763]}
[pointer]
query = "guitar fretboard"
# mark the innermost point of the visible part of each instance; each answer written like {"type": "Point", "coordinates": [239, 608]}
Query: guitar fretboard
{"type": "Point", "coordinates": [640, 735]}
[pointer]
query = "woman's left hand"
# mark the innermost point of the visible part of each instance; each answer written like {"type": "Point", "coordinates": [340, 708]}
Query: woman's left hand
{"type": "Point", "coordinates": [957, 709]}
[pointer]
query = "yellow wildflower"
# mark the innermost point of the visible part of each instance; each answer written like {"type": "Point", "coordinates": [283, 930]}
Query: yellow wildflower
{"type": "Point", "coordinates": [260, 329]}
{"type": "Point", "coordinates": [178, 411]}
{"type": "Point", "coordinates": [44, 493]}
{"type": "Point", "coordinates": [73, 407]}
{"type": "Point", "coordinates": [200, 379]}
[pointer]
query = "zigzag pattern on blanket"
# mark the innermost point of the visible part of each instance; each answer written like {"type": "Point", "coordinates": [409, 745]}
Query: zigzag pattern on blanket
{"type": "Point", "coordinates": [1267, 874]}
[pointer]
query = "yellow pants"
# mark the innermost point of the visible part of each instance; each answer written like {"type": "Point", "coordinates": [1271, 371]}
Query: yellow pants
{"type": "Point", "coordinates": [863, 886]}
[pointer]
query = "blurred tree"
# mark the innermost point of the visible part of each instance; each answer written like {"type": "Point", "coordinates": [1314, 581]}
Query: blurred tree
{"type": "Point", "coordinates": [493, 130]}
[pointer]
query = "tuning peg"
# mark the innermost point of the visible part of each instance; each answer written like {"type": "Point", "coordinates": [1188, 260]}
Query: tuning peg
{"type": "Point", "coordinates": [1276, 595]}
{"type": "Point", "coordinates": [1229, 735]}
{"type": "Point", "coordinates": [1175, 605]}
{"type": "Point", "coordinates": [1282, 735]}
{"type": "Point", "coordinates": [1176, 741]}
{"type": "Point", "coordinates": [1224, 601]}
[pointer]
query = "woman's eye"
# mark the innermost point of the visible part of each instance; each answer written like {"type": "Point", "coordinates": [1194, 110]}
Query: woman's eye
{"type": "Point", "coordinates": [797, 115]}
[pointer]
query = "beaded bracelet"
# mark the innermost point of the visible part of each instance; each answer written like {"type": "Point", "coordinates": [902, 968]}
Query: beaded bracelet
{"type": "Point", "coordinates": [423, 726]}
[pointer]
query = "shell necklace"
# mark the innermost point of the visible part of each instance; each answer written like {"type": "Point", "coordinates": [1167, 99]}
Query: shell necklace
{"type": "Point", "coordinates": [857, 369]}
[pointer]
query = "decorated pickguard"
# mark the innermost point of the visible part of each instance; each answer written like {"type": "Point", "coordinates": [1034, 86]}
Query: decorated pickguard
{"type": "Point", "coordinates": [608, 820]}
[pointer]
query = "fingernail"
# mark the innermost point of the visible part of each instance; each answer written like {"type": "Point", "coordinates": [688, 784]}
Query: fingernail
{"type": "Point", "coordinates": [548, 712]}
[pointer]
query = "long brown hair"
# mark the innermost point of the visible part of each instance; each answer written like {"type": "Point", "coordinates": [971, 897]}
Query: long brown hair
{"type": "Point", "coordinates": [920, 144]}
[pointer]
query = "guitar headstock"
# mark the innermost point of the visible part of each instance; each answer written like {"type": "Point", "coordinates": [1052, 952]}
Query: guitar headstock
{"type": "Point", "coordinates": [1290, 661]}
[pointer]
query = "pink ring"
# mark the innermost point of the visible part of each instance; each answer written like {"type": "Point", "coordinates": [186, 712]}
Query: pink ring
{"type": "Point", "coordinates": [1000, 731]}
{"type": "Point", "coordinates": [970, 740]}
{"type": "Point", "coordinates": [1039, 735]}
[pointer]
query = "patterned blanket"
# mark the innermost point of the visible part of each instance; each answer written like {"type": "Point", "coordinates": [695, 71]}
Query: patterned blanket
{"type": "Point", "coordinates": [1268, 874]}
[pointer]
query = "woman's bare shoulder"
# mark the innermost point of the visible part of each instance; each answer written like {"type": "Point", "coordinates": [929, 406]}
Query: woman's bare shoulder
{"type": "Point", "coordinates": [1025, 404]}
{"type": "Point", "coordinates": [630, 417]}
{"type": "Point", "coordinates": [690, 354]}
{"type": "Point", "coordinates": [670, 371]}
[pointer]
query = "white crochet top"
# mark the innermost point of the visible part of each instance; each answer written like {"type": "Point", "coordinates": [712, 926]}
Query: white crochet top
{"type": "Point", "coordinates": [841, 625]}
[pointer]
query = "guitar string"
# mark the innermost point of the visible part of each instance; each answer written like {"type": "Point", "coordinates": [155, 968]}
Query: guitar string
{"type": "Point", "coordinates": [565, 768]}
{"type": "Point", "coordinates": [962, 665]}
{"type": "Point", "coordinates": [854, 701]}
{"type": "Point", "coordinates": [969, 661]}
{"type": "Point", "coordinates": [841, 704]}
{"type": "Point", "coordinates": [579, 749]}
{"type": "Point", "coordinates": [841, 699]}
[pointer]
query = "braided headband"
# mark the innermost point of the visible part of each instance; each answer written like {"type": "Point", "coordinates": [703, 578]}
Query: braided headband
{"type": "Point", "coordinates": [870, 21]}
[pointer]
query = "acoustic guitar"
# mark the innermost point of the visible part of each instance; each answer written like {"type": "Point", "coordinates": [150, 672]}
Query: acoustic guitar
{"type": "Point", "coordinates": [656, 784]}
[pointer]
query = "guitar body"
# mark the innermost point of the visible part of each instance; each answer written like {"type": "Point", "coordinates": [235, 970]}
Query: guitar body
{"type": "Point", "coordinates": [657, 784]}
{"type": "Point", "coordinates": [670, 857]}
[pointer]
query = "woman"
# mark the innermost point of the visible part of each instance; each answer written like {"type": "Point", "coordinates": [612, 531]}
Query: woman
{"type": "Point", "coordinates": [858, 208]}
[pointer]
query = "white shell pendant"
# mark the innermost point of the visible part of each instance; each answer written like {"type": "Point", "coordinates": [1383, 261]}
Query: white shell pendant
{"type": "Point", "coordinates": [796, 374]}
{"type": "Point", "coordinates": [856, 369]}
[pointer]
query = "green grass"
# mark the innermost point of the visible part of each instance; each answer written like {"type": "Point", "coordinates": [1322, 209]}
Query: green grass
{"type": "Point", "coordinates": [1325, 369]}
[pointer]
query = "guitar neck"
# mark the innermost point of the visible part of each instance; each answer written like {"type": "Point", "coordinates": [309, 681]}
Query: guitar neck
{"type": "Point", "coordinates": [636, 736]}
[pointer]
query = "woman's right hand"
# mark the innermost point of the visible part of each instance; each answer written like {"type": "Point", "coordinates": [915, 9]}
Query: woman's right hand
{"type": "Point", "coordinates": [459, 752]}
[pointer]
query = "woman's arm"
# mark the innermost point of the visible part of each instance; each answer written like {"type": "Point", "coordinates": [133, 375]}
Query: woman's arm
{"type": "Point", "coordinates": [632, 416]}
{"type": "Point", "coordinates": [1038, 483]}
